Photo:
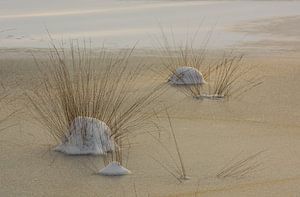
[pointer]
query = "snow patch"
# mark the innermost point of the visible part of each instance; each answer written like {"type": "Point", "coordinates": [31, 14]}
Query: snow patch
{"type": "Point", "coordinates": [87, 136]}
{"type": "Point", "coordinates": [187, 76]}
{"type": "Point", "coordinates": [114, 169]}
{"type": "Point", "coordinates": [210, 96]}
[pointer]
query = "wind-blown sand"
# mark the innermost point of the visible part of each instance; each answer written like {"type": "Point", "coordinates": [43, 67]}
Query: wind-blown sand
{"type": "Point", "coordinates": [210, 134]}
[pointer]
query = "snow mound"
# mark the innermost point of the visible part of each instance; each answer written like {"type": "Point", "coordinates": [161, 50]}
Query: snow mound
{"type": "Point", "coordinates": [187, 76]}
{"type": "Point", "coordinates": [114, 169]}
{"type": "Point", "coordinates": [87, 136]}
{"type": "Point", "coordinates": [210, 96]}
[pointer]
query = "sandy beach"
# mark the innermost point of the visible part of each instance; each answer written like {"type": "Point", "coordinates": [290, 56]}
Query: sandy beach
{"type": "Point", "coordinates": [211, 134]}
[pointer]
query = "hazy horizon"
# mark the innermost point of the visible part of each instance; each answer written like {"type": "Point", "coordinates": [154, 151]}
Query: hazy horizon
{"type": "Point", "coordinates": [123, 23]}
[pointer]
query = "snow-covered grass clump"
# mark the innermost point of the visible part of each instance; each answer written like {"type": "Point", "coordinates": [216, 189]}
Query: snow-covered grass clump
{"type": "Point", "coordinates": [87, 136]}
{"type": "Point", "coordinates": [186, 76]}
{"type": "Point", "coordinates": [190, 68]}
{"type": "Point", "coordinates": [90, 100]}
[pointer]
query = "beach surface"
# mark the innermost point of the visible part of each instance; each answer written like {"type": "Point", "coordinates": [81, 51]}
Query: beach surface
{"type": "Point", "coordinates": [120, 24]}
{"type": "Point", "coordinates": [211, 134]}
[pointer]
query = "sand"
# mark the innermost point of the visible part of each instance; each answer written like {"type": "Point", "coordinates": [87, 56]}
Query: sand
{"type": "Point", "coordinates": [277, 33]}
{"type": "Point", "coordinates": [123, 23]}
{"type": "Point", "coordinates": [210, 134]}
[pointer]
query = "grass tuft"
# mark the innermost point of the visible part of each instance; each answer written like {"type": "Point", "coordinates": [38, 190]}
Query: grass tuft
{"type": "Point", "coordinates": [6, 100]}
{"type": "Point", "coordinates": [231, 77]}
{"type": "Point", "coordinates": [239, 168]}
{"type": "Point", "coordinates": [79, 81]}
{"type": "Point", "coordinates": [175, 166]}
{"type": "Point", "coordinates": [226, 77]}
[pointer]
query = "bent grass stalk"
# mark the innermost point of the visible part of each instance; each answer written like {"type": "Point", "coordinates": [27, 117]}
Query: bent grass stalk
{"type": "Point", "coordinates": [240, 168]}
{"type": "Point", "coordinates": [183, 172]}
{"type": "Point", "coordinates": [5, 100]}
{"type": "Point", "coordinates": [176, 168]}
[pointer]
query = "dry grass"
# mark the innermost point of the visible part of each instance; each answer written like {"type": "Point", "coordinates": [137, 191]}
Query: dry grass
{"type": "Point", "coordinates": [182, 168]}
{"type": "Point", "coordinates": [77, 81]}
{"type": "Point", "coordinates": [175, 166]}
{"type": "Point", "coordinates": [173, 55]}
{"type": "Point", "coordinates": [227, 76]}
{"type": "Point", "coordinates": [3, 96]}
{"type": "Point", "coordinates": [231, 77]}
{"type": "Point", "coordinates": [6, 99]}
{"type": "Point", "coordinates": [239, 168]}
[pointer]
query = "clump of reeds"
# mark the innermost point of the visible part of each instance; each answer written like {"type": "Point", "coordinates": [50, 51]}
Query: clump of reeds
{"type": "Point", "coordinates": [239, 168]}
{"type": "Point", "coordinates": [175, 166]}
{"type": "Point", "coordinates": [226, 77]}
{"type": "Point", "coordinates": [231, 77]}
{"type": "Point", "coordinates": [174, 55]}
{"type": "Point", "coordinates": [77, 81]}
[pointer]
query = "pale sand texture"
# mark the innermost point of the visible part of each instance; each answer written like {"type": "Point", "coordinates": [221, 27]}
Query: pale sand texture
{"type": "Point", "coordinates": [122, 23]}
{"type": "Point", "coordinates": [210, 134]}
{"type": "Point", "coordinates": [278, 33]}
